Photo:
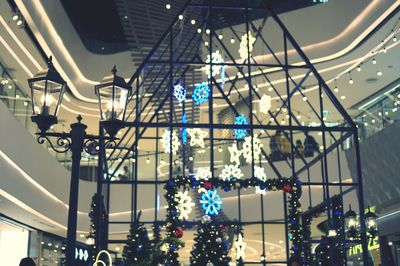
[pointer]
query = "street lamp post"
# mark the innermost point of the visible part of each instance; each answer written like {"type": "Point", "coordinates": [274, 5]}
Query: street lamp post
{"type": "Point", "coordinates": [47, 88]}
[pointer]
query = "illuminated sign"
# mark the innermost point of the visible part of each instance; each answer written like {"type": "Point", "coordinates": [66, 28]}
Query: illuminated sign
{"type": "Point", "coordinates": [373, 244]}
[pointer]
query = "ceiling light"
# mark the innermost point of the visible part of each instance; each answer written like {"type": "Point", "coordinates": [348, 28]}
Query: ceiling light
{"type": "Point", "coordinates": [305, 98]}
{"type": "Point", "coordinates": [386, 113]}
{"type": "Point", "coordinates": [193, 21]}
{"type": "Point", "coordinates": [198, 30]}
{"type": "Point", "coordinates": [232, 40]}
{"type": "Point", "coordinates": [148, 160]}
{"type": "Point", "coordinates": [298, 116]}
{"type": "Point", "coordinates": [379, 73]}
{"type": "Point", "coordinates": [220, 149]}
{"type": "Point", "coordinates": [270, 89]}
{"type": "Point", "coordinates": [25, 104]}
{"type": "Point", "coordinates": [220, 36]}
{"type": "Point", "coordinates": [336, 89]}
{"type": "Point", "coordinates": [168, 6]}
{"type": "Point", "coordinates": [373, 121]}
{"type": "Point", "coordinates": [206, 43]}
{"type": "Point", "coordinates": [208, 31]}
{"type": "Point", "coordinates": [351, 81]}
{"type": "Point", "coordinates": [394, 38]}
{"type": "Point", "coordinates": [117, 248]}
{"type": "Point", "coordinates": [15, 17]}
{"type": "Point", "coordinates": [374, 61]}
{"type": "Point", "coordinates": [384, 49]}
{"type": "Point", "coordinates": [359, 68]}
{"type": "Point", "coordinates": [19, 22]}
{"type": "Point", "coordinates": [180, 17]}
{"type": "Point", "coordinates": [342, 97]}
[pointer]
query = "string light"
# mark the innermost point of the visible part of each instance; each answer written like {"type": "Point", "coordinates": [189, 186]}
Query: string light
{"type": "Point", "coordinates": [351, 81]}
{"type": "Point", "coordinates": [359, 68]}
{"type": "Point", "coordinates": [168, 6]}
{"type": "Point", "coordinates": [180, 17]}
{"type": "Point", "coordinates": [193, 21]}
{"type": "Point", "coordinates": [336, 87]}
{"type": "Point", "coordinates": [374, 61]}
{"type": "Point", "coordinates": [208, 31]}
{"type": "Point", "coordinates": [198, 30]}
{"type": "Point", "coordinates": [220, 36]}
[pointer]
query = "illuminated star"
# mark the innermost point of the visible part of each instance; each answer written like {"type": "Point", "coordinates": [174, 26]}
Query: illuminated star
{"type": "Point", "coordinates": [235, 154]}
{"type": "Point", "coordinates": [197, 136]}
{"type": "Point", "coordinates": [265, 104]}
{"type": "Point", "coordinates": [240, 248]}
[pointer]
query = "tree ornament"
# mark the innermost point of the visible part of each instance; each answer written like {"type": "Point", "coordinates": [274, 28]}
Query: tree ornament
{"type": "Point", "coordinates": [211, 202]}
{"type": "Point", "coordinates": [179, 93]}
{"type": "Point", "coordinates": [208, 185]}
{"type": "Point", "coordinates": [201, 93]}
{"type": "Point", "coordinates": [240, 133]}
{"type": "Point", "coordinates": [235, 154]}
{"type": "Point", "coordinates": [185, 204]}
{"type": "Point", "coordinates": [166, 141]}
{"type": "Point", "coordinates": [240, 247]}
{"type": "Point", "coordinates": [243, 45]}
{"type": "Point", "coordinates": [178, 233]}
{"type": "Point", "coordinates": [197, 136]}
{"type": "Point", "coordinates": [231, 172]}
{"type": "Point", "coordinates": [206, 219]}
{"type": "Point", "coordinates": [247, 148]}
{"type": "Point", "coordinates": [203, 173]}
{"type": "Point", "coordinates": [210, 263]}
{"type": "Point", "coordinates": [286, 188]}
{"type": "Point", "coordinates": [218, 240]}
{"type": "Point", "coordinates": [265, 104]}
{"type": "Point", "coordinates": [216, 60]}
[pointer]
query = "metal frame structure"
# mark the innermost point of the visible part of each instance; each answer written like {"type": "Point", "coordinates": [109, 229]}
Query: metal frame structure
{"type": "Point", "coordinates": [178, 58]}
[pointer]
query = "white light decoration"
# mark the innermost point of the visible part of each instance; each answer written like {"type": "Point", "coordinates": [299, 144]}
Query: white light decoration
{"type": "Point", "coordinates": [260, 173]}
{"type": "Point", "coordinates": [243, 45]}
{"type": "Point", "coordinates": [166, 141]}
{"type": "Point", "coordinates": [240, 248]}
{"type": "Point", "coordinates": [215, 58]}
{"type": "Point", "coordinates": [235, 154]}
{"type": "Point", "coordinates": [211, 202]}
{"type": "Point", "coordinates": [260, 191]}
{"type": "Point", "coordinates": [203, 173]}
{"type": "Point", "coordinates": [179, 93]}
{"type": "Point", "coordinates": [197, 136]}
{"type": "Point", "coordinates": [257, 145]}
{"type": "Point", "coordinates": [265, 103]}
{"type": "Point", "coordinates": [185, 204]}
{"type": "Point", "coordinates": [230, 172]}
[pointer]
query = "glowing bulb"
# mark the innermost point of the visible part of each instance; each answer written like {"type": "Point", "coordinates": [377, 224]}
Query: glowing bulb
{"type": "Point", "coordinates": [232, 40]}
{"type": "Point", "coordinates": [193, 21]}
{"type": "Point", "coordinates": [198, 30]}
{"type": "Point", "coordinates": [374, 61]}
{"type": "Point", "coordinates": [336, 89]}
{"type": "Point", "coordinates": [180, 17]}
{"type": "Point", "coordinates": [305, 98]}
{"type": "Point", "coordinates": [394, 38]}
{"type": "Point", "coordinates": [49, 99]}
{"type": "Point", "coordinates": [206, 43]}
{"type": "Point", "coordinates": [19, 22]}
{"type": "Point", "coordinates": [342, 97]}
{"type": "Point", "coordinates": [208, 31]}
{"type": "Point", "coordinates": [351, 81]}
{"type": "Point", "coordinates": [220, 36]}
{"type": "Point", "coordinates": [15, 17]}
{"type": "Point", "coordinates": [148, 160]}
{"type": "Point", "coordinates": [359, 68]}
{"type": "Point", "coordinates": [379, 73]}
{"type": "Point", "coordinates": [168, 6]}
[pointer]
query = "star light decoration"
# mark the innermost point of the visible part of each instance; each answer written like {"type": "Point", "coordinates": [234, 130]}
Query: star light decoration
{"type": "Point", "coordinates": [240, 248]}
{"type": "Point", "coordinates": [197, 136]}
{"type": "Point", "coordinates": [265, 103]}
{"type": "Point", "coordinates": [185, 204]}
{"type": "Point", "coordinates": [240, 133]}
{"type": "Point", "coordinates": [257, 145]}
{"type": "Point", "coordinates": [179, 93]}
{"type": "Point", "coordinates": [201, 93]}
{"type": "Point", "coordinates": [211, 202]}
{"type": "Point", "coordinates": [231, 172]}
{"type": "Point", "coordinates": [235, 154]}
{"type": "Point", "coordinates": [243, 45]}
{"type": "Point", "coordinates": [216, 60]}
{"type": "Point", "coordinates": [260, 174]}
{"type": "Point", "coordinates": [184, 132]}
{"type": "Point", "coordinates": [203, 173]}
{"type": "Point", "coordinates": [166, 141]}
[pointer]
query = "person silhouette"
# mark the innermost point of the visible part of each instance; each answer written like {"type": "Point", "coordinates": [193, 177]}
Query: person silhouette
{"type": "Point", "coordinates": [27, 262]}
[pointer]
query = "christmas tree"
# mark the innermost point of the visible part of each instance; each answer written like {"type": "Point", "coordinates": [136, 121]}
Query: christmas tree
{"type": "Point", "coordinates": [209, 248]}
{"type": "Point", "coordinates": [138, 247]}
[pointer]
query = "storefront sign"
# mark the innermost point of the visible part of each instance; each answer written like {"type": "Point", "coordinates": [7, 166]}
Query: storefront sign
{"type": "Point", "coordinates": [373, 244]}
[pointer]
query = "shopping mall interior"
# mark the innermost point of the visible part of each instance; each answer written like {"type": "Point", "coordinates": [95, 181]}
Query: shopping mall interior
{"type": "Point", "coordinates": [199, 132]}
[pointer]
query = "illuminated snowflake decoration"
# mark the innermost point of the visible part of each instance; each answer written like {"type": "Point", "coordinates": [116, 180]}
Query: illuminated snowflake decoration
{"type": "Point", "coordinates": [265, 104]}
{"type": "Point", "coordinates": [235, 154]}
{"type": "Point", "coordinates": [211, 202]}
{"type": "Point", "coordinates": [231, 172]}
{"type": "Point", "coordinates": [185, 204]}
{"type": "Point", "coordinates": [201, 93]}
{"type": "Point", "coordinates": [257, 145]}
{"type": "Point", "coordinates": [216, 58]}
{"type": "Point", "coordinates": [197, 136]}
{"type": "Point", "coordinates": [240, 133]}
{"type": "Point", "coordinates": [166, 141]}
{"type": "Point", "coordinates": [179, 93]}
{"type": "Point", "coordinates": [203, 173]}
{"type": "Point", "coordinates": [223, 74]}
{"type": "Point", "coordinates": [243, 45]}
{"type": "Point", "coordinates": [184, 133]}
{"type": "Point", "coordinates": [240, 248]}
{"type": "Point", "coordinates": [260, 174]}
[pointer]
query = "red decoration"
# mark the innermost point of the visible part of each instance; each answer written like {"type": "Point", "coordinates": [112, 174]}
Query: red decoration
{"type": "Point", "coordinates": [178, 233]}
{"type": "Point", "coordinates": [287, 188]}
{"type": "Point", "coordinates": [208, 185]}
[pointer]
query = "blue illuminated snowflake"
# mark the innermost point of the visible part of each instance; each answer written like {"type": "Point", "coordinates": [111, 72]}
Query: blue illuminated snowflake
{"type": "Point", "coordinates": [179, 93]}
{"type": "Point", "coordinates": [201, 93]}
{"type": "Point", "coordinates": [240, 133]}
{"type": "Point", "coordinates": [222, 76]}
{"type": "Point", "coordinates": [211, 202]}
{"type": "Point", "coordinates": [184, 133]}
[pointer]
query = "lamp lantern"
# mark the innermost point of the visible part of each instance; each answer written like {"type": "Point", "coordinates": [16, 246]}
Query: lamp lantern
{"type": "Point", "coordinates": [47, 90]}
{"type": "Point", "coordinates": [113, 93]}
{"type": "Point", "coordinates": [371, 222]}
{"type": "Point", "coordinates": [351, 223]}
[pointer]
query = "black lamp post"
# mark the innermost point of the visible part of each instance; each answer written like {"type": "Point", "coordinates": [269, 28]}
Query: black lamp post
{"type": "Point", "coordinates": [47, 89]}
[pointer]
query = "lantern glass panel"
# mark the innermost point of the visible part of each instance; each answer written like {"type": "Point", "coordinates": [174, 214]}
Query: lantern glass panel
{"type": "Point", "coordinates": [46, 97]}
{"type": "Point", "coordinates": [113, 102]}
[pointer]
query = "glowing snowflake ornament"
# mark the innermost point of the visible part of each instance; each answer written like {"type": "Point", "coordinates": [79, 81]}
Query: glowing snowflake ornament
{"type": "Point", "coordinates": [265, 104]}
{"type": "Point", "coordinates": [231, 172]}
{"type": "Point", "coordinates": [185, 204]}
{"type": "Point", "coordinates": [243, 45]}
{"type": "Point", "coordinates": [203, 173]}
{"type": "Point", "coordinates": [197, 136]}
{"type": "Point", "coordinates": [257, 145]}
{"type": "Point", "coordinates": [179, 93]}
{"type": "Point", "coordinates": [201, 93]}
{"type": "Point", "coordinates": [235, 154]}
{"type": "Point", "coordinates": [240, 133]}
{"type": "Point", "coordinates": [166, 141]}
{"type": "Point", "coordinates": [211, 202]}
{"type": "Point", "coordinates": [240, 248]}
{"type": "Point", "coordinates": [216, 60]}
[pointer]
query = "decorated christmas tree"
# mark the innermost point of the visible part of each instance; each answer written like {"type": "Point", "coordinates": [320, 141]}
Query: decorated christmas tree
{"type": "Point", "coordinates": [209, 248]}
{"type": "Point", "coordinates": [138, 247]}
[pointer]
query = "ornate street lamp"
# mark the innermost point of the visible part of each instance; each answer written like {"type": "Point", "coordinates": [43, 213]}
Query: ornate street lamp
{"type": "Point", "coordinates": [47, 89]}
{"type": "Point", "coordinates": [371, 223]}
{"type": "Point", "coordinates": [351, 223]}
{"type": "Point", "coordinates": [113, 93]}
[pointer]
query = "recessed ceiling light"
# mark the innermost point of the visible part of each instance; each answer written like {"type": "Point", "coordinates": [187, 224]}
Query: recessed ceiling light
{"type": "Point", "coordinates": [180, 17]}
{"type": "Point", "coordinates": [193, 21]}
{"type": "Point", "coordinates": [168, 6]}
{"type": "Point", "coordinates": [342, 97]}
